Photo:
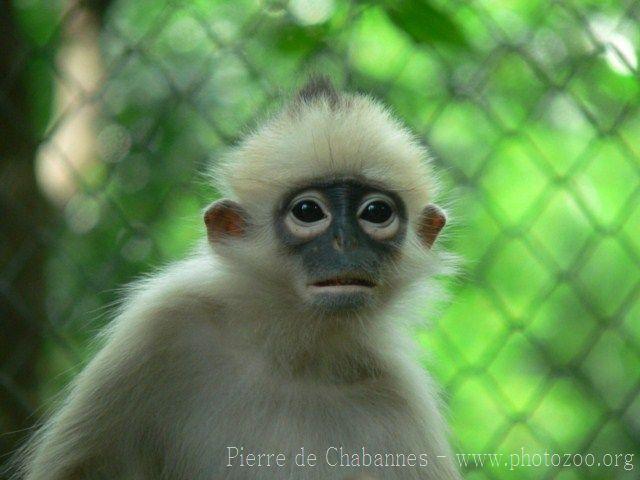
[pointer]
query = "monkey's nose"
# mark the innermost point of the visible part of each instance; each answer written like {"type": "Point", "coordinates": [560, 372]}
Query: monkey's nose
{"type": "Point", "coordinates": [338, 243]}
{"type": "Point", "coordinates": [342, 243]}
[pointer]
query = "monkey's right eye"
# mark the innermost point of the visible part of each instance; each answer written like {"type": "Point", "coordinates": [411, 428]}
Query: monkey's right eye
{"type": "Point", "coordinates": [308, 211]}
{"type": "Point", "coordinates": [308, 216]}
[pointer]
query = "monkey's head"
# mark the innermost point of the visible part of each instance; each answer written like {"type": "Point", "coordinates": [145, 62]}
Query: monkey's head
{"type": "Point", "coordinates": [329, 203]}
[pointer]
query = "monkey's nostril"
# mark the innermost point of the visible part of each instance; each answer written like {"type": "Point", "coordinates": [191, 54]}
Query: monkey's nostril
{"type": "Point", "coordinates": [338, 243]}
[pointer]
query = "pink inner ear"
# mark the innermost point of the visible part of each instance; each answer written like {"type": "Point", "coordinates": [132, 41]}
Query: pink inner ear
{"type": "Point", "coordinates": [432, 222]}
{"type": "Point", "coordinates": [224, 219]}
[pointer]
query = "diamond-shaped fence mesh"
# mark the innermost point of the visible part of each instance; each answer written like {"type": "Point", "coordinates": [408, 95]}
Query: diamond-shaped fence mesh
{"type": "Point", "coordinates": [109, 111]}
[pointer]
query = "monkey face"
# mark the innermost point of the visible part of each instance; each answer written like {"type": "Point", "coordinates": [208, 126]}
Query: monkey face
{"type": "Point", "coordinates": [331, 206]}
{"type": "Point", "coordinates": [346, 235]}
{"type": "Point", "coordinates": [341, 244]}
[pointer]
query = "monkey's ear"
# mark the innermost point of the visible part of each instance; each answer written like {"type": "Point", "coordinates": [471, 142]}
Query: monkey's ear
{"type": "Point", "coordinates": [225, 219]}
{"type": "Point", "coordinates": [432, 220]}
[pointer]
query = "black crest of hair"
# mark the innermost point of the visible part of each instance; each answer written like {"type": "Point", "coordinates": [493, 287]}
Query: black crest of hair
{"type": "Point", "coordinates": [318, 87]}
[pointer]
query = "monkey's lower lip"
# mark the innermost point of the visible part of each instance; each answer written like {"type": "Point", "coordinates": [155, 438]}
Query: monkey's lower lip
{"type": "Point", "coordinates": [344, 282]}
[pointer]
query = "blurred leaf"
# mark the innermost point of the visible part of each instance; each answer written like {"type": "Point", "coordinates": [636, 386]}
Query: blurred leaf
{"type": "Point", "coordinates": [424, 23]}
{"type": "Point", "coordinates": [39, 20]}
{"type": "Point", "coordinates": [40, 86]}
{"type": "Point", "coordinates": [296, 39]}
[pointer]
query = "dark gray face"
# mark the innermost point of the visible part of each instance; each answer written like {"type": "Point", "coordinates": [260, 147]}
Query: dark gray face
{"type": "Point", "coordinates": [345, 233]}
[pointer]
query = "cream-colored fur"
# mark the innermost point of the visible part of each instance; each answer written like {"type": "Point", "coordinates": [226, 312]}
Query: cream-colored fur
{"type": "Point", "coordinates": [357, 137]}
{"type": "Point", "coordinates": [220, 351]}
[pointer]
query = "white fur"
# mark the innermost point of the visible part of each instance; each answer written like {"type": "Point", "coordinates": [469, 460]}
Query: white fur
{"type": "Point", "coordinates": [356, 138]}
{"type": "Point", "coordinates": [219, 350]}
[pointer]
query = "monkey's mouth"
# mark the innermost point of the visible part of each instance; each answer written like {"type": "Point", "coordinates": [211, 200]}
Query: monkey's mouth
{"type": "Point", "coordinates": [344, 283]}
{"type": "Point", "coordinates": [344, 292]}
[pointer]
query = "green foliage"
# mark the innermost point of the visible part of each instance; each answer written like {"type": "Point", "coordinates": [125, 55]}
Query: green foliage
{"type": "Point", "coordinates": [424, 22]}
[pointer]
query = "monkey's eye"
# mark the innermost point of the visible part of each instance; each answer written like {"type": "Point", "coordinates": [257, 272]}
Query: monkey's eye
{"type": "Point", "coordinates": [308, 215]}
{"type": "Point", "coordinates": [377, 211]}
{"type": "Point", "coordinates": [377, 216]}
{"type": "Point", "coordinates": [308, 211]}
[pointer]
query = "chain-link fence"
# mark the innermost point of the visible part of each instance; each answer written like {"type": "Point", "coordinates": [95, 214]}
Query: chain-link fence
{"type": "Point", "coordinates": [109, 111]}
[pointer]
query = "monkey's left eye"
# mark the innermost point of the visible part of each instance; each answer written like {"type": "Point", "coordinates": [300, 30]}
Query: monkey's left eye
{"type": "Point", "coordinates": [377, 211]}
{"type": "Point", "coordinates": [377, 216]}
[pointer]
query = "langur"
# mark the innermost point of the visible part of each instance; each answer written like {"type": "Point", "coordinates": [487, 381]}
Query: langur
{"type": "Point", "coordinates": [281, 348]}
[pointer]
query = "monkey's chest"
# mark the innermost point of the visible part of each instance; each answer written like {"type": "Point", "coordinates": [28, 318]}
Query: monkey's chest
{"type": "Point", "coordinates": [306, 432]}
